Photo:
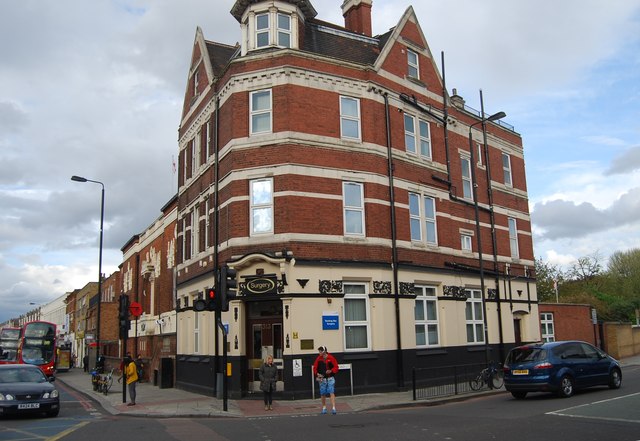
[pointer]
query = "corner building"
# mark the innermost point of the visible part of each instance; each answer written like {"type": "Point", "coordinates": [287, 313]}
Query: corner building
{"type": "Point", "coordinates": [334, 172]}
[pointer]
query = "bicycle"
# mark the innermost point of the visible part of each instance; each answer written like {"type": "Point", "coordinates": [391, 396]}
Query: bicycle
{"type": "Point", "coordinates": [492, 376]}
{"type": "Point", "coordinates": [104, 382]}
{"type": "Point", "coordinates": [95, 379]}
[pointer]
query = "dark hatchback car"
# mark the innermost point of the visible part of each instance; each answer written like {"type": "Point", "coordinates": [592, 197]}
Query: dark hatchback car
{"type": "Point", "coordinates": [25, 389]}
{"type": "Point", "coordinates": [560, 367]}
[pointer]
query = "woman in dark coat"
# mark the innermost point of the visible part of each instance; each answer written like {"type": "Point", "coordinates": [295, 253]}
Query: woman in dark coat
{"type": "Point", "coordinates": [268, 377]}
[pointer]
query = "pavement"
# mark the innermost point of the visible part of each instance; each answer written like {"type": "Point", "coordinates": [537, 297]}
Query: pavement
{"type": "Point", "coordinates": [171, 402]}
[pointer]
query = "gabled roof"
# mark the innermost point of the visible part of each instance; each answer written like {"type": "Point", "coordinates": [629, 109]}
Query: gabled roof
{"type": "Point", "coordinates": [220, 55]}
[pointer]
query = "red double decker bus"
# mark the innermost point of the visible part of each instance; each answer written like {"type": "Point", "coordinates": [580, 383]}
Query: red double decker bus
{"type": "Point", "coordinates": [10, 339]}
{"type": "Point", "coordinates": [39, 346]}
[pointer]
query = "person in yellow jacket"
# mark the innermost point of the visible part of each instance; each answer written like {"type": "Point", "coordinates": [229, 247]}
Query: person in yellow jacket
{"type": "Point", "coordinates": [131, 374]}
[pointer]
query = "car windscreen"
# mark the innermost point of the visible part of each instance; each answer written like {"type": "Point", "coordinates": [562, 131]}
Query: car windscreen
{"type": "Point", "coordinates": [526, 354]}
{"type": "Point", "coordinates": [22, 376]}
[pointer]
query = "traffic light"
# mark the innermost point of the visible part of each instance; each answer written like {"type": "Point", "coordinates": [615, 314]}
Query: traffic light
{"type": "Point", "coordinates": [228, 286]}
{"type": "Point", "coordinates": [212, 299]}
{"type": "Point", "coordinates": [123, 316]}
{"type": "Point", "coordinates": [210, 302]}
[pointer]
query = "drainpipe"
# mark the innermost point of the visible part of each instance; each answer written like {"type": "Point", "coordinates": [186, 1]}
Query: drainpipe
{"type": "Point", "coordinates": [216, 233]}
{"type": "Point", "coordinates": [394, 246]}
{"type": "Point", "coordinates": [494, 240]}
{"type": "Point", "coordinates": [444, 124]}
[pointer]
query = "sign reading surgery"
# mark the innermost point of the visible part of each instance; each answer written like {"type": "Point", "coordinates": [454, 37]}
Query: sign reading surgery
{"type": "Point", "coordinates": [261, 285]}
{"type": "Point", "coordinates": [330, 320]}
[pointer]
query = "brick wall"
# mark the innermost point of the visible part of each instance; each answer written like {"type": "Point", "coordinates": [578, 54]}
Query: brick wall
{"type": "Point", "coordinates": [571, 322]}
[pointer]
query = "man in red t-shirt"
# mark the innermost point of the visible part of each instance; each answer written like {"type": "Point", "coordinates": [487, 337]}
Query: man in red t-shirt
{"type": "Point", "coordinates": [325, 368]}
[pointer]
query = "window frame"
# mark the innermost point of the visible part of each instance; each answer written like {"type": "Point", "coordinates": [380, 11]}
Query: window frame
{"type": "Point", "coordinates": [423, 219]}
{"type": "Point", "coordinates": [467, 179]}
{"type": "Point", "coordinates": [194, 159]}
{"type": "Point", "coordinates": [260, 112]}
{"type": "Point", "coordinates": [253, 206]}
{"type": "Point", "coordinates": [507, 174]}
{"type": "Point", "coordinates": [195, 223]}
{"type": "Point", "coordinates": [413, 66]}
{"type": "Point", "coordinates": [413, 217]}
{"type": "Point", "coordinates": [418, 138]}
{"type": "Point", "coordinates": [366, 323]}
{"type": "Point", "coordinates": [353, 209]}
{"type": "Point", "coordinates": [280, 30]}
{"type": "Point", "coordinates": [513, 237]}
{"type": "Point", "coordinates": [350, 118]}
{"type": "Point", "coordinates": [208, 140]}
{"type": "Point", "coordinates": [466, 242]}
{"type": "Point", "coordinates": [430, 220]}
{"type": "Point", "coordinates": [546, 323]}
{"type": "Point", "coordinates": [480, 154]}
{"type": "Point", "coordinates": [207, 224]}
{"type": "Point", "coordinates": [425, 299]}
{"type": "Point", "coordinates": [259, 31]}
{"type": "Point", "coordinates": [473, 308]}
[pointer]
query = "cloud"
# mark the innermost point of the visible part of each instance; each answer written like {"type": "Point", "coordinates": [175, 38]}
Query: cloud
{"type": "Point", "coordinates": [12, 117]}
{"type": "Point", "coordinates": [627, 162]}
{"type": "Point", "coordinates": [561, 219]}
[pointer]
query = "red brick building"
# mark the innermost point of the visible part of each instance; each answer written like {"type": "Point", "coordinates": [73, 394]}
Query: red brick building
{"type": "Point", "coordinates": [109, 332]}
{"type": "Point", "coordinates": [568, 321]}
{"type": "Point", "coordinates": [148, 279]}
{"type": "Point", "coordinates": [349, 191]}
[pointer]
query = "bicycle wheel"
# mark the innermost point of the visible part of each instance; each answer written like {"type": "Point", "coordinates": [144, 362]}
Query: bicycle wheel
{"type": "Point", "coordinates": [476, 383]}
{"type": "Point", "coordinates": [108, 383]}
{"type": "Point", "coordinates": [497, 379]}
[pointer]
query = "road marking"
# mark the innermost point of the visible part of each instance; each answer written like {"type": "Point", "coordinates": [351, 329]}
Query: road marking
{"type": "Point", "coordinates": [586, 417]}
{"type": "Point", "coordinates": [67, 431]}
{"type": "Point", "coordinates": [564, 412]}
{"type": "Point", "coordinates": [595, 402]}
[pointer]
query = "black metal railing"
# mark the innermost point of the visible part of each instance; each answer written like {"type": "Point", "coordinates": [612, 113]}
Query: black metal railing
{"type": "Point", "coordinates": [443, 381]}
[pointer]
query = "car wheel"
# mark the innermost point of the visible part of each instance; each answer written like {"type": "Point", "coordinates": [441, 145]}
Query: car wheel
{"type": "Point", "coordinates": [566, 387]}
{"type": "Point", "coordinates": [53, 413]}
{"type": "Point", "coordinates": [615, 379]}
{"type": "Point", "coordinates": [518, 395]}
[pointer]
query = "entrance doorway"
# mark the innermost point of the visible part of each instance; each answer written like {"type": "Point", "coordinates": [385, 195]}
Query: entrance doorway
{"type": "Point", "coordinates": [264, 338]}
{"type": "Point", "coordinates": [517, 331]}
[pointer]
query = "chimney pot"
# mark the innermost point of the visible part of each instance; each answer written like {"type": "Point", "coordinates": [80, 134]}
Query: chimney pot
{"type": "Point", "coordinates": [357, 16]}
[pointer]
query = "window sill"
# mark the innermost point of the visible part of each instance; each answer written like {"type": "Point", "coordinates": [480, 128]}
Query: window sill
{"type": "Point", "coordinates": [415, 80]}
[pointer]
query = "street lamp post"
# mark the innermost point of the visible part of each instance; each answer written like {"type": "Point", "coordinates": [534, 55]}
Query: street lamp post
{"type": "Point", "coordinates": [81, 179]}
{"type": "Point", "coordinates": [493, 117]}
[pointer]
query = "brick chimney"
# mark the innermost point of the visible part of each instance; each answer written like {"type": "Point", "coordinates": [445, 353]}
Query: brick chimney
{"type": "Point", "coordinates": [357, 16]}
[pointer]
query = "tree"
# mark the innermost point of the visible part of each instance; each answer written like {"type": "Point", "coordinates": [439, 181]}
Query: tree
{"type": "Point", "coordinates": [548, 276]}
{"type": "Point", "coordinates": [586, 268]}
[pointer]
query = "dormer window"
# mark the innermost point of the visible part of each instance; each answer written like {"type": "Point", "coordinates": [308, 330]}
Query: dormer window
{"type": "Point", "coordinates": [270, 26]}
{"type": "Point", "coordinates": [284, 30]}
{"type": "Point", "coordinates": [262, 30]}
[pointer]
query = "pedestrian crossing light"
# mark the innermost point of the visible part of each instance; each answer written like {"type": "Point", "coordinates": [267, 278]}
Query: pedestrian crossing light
{"type": "Point", "coordinates": [123, 316]}
{"type": "Point", "coordinates": [228, 287]}
{"type": "Point", "coordinates": [213, 303]}
{"type": "Point", "coordinates": [210, 302]}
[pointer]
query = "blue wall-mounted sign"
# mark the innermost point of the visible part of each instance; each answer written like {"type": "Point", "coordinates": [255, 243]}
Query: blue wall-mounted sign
{"type": "Point", "coordinates": [330, 321]}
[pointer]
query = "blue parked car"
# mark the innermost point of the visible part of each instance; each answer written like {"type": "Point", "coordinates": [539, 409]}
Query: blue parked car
{"type": "Point", "coordinates": [560, 367]}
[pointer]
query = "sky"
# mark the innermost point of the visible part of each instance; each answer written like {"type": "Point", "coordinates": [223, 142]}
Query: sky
{"type": "Point", "coordinates": [95, 89]}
